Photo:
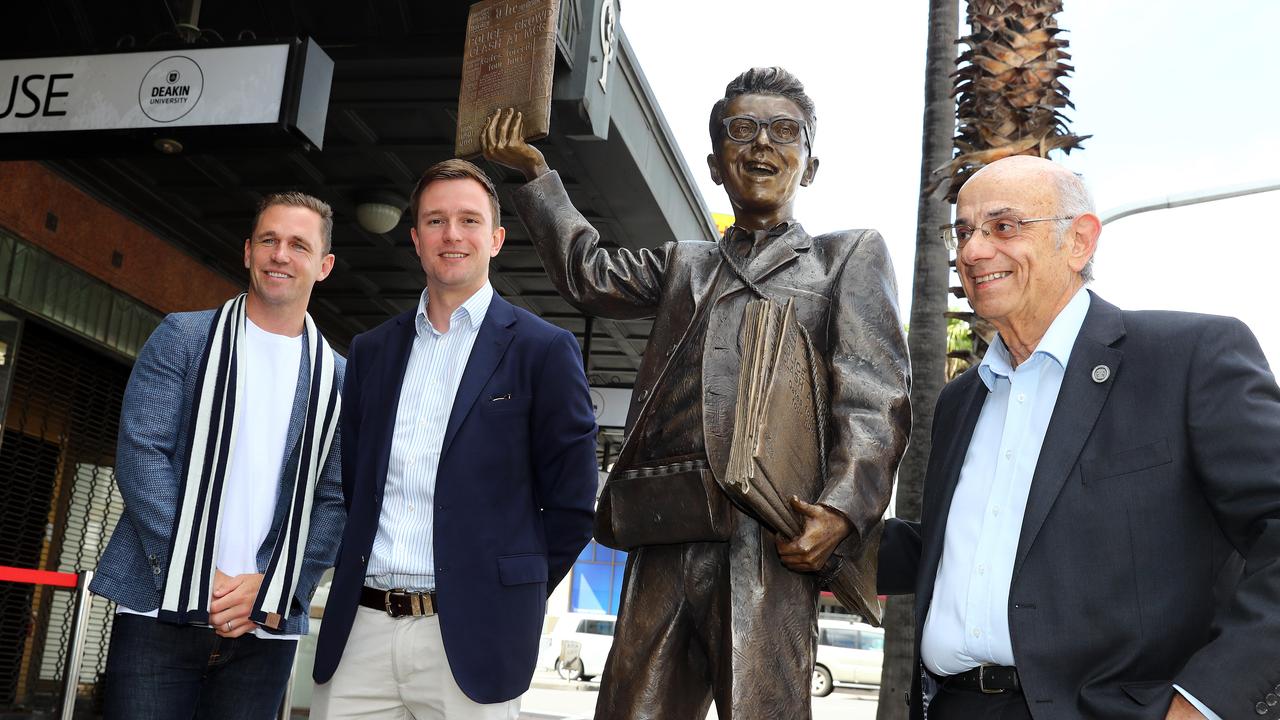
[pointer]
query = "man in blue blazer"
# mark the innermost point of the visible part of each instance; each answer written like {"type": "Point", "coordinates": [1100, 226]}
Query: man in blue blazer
{"type": "Point", "coordinates": [228, 465]}
{"type": "Point", "coordinates": [1100, 530]}
{"type": "Point", "coordinates": [469, 475]}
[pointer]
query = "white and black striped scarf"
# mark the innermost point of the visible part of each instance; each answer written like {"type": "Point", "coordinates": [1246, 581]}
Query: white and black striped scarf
{"type": "Point", "coordinates": [211, 439]}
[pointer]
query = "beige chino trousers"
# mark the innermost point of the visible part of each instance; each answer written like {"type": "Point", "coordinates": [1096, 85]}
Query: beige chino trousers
{"type": "Point", "coordinates": [396, 669]}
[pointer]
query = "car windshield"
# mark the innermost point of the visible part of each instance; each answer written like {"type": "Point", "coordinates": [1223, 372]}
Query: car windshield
{"type": "Point", "coordinates": [840, 638]}
{"type": "Point", "coordinates": [596, 627]}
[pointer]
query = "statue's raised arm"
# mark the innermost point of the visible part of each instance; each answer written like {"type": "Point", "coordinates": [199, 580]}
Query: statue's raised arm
{"type": "Point", "coordinates": [715, 606]}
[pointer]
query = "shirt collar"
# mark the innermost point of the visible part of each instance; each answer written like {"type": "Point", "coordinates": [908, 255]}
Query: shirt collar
{"type": "Point", "coordinates": [473, 309]}
{"type": "Point", "coordinates": [1056, 343]}
{"type": "Point", "coordinates": [736, 232]}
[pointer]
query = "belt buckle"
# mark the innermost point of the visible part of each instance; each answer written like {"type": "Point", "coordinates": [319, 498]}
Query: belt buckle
{"type": "Point", "coordinates": [982, 682]}
{"type": "Point", "coordinates": [386, 603]}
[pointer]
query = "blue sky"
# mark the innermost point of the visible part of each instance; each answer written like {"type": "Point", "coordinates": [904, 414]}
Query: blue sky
{"type": "Point", "coordinates": [1177, 95]}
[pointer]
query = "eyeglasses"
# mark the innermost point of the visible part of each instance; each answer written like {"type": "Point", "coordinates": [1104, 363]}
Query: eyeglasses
{"type": "Point", "coordinates": [781, 129]}
{"type": "Point", "coordinates": [1003, 228]}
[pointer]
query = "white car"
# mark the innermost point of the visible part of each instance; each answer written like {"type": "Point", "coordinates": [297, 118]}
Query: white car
{"type": "Point", "coordinates": [848, 652]}
{"type": "Point", "coordinates": [579, 644]}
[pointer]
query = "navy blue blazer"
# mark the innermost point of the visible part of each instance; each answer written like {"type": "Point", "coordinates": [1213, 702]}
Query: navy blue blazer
{"type": "Point", "coordinates": [1150, 548]}
{"type": "Point", "coordinates": [514, 494]}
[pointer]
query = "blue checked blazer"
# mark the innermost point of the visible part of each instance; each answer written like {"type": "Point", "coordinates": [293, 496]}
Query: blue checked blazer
{"type": "Point", "coordinates": [151, 451]}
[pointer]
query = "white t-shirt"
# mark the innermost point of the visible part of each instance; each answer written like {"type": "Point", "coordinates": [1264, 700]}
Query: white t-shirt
{"type": "Point", "coordinates": [252, 485]}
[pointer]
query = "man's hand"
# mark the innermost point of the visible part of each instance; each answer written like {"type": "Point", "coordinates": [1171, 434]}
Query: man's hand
{"type": "Point", "coordinates": [232, 602]}
{"type": "Point", "coordinates": [502, 140]}
{"type": "Point", "coordinates": [1180, 709]}
{"type": "Point", "coordinates": [824, 528]}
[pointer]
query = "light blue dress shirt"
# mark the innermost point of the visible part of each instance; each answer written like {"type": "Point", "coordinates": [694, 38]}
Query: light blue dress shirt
{"type": "Point", "coordinates": [968, 620]}
{"type": "Point", "coordinates": [403, 554]}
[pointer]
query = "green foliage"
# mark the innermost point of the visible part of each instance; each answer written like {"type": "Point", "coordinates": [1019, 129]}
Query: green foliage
{"type": "Point", "coordinates": [958, 336]}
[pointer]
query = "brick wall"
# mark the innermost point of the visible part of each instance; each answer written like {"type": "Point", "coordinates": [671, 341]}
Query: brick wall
{"type": "Point", "coordinates": [89, 233]}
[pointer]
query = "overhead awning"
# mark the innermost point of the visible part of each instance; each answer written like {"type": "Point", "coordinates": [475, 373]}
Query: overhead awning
{"type": "Point", "coordinates": [391, 113]}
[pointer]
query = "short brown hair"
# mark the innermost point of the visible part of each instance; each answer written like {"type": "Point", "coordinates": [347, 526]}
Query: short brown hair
{"type": "Point", "coordinates": [454, 169]}
{"type": "Point", "coordinates": [293, 198]}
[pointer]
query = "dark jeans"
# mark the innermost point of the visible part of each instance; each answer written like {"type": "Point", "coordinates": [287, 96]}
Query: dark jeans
{"type": "Point", "coordinates": [158, 671]}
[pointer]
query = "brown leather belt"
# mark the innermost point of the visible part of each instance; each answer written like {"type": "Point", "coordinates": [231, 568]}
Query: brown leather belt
{"type": "Point", "coordinates": [399, 603]}
{"type": "Point", "coordinates": [990, 679]}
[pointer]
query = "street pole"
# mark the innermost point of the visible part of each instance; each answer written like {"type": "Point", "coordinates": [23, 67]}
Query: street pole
{"type": "Point", "coordinates": [1190, 198]}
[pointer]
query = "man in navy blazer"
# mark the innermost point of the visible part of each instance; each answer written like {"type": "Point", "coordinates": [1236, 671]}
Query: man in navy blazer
{"type": "Point", "coordinates": [469, 474]}
{"type": "Point", "coordinates": [1100, 531]}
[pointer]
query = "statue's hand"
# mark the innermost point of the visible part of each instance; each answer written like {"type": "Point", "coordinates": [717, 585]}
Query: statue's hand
{"type": "Point", "coordinates": [824, 529]}
{"type": "Point", "coordinates": [502, 140]}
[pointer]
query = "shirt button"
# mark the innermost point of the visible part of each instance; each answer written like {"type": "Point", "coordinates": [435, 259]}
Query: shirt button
{"type": "Point", "coordinates": [996, 511]}
{"type": "Point", "coordinates": [411, 508]}
{"type": "Point", "coordinates": [982, 569]}
{"type": "Point", "coordinates": [977, 633]}
{"type": "Point", "coordinates": [1008, 454]}
{"type": "Point", "coordinates": [1022, 397]}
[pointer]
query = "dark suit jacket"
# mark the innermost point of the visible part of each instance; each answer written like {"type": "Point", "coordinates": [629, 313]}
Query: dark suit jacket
{"type": "Point", "coordinates": [514, 492]}
{"type": "Point", "coordinates": [1151, 489]}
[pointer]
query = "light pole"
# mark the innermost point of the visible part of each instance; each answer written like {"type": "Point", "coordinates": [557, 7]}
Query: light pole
{"type": "Point", "coordinates": [1188, 198]}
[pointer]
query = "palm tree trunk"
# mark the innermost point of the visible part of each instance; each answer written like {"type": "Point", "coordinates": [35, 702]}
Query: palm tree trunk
{"type": "Point", "coordinates": [1009, 90]}
{"type": "Point", "coordinates": [927, 339]}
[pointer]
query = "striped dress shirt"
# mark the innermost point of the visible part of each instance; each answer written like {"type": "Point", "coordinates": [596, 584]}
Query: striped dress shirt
{"type": "Point", "coordinates": [403, 555]}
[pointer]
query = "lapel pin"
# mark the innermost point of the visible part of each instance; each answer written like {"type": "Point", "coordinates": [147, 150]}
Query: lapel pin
{"type": "Point", "coordinates": [1101, 373]}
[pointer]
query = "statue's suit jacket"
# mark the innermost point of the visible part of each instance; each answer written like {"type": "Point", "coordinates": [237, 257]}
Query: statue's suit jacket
{"type": "Point", "coordinates": [1150, 548]}
{"type": "Point", "coordinates": [513, 494]}
{"type": "Point", "coordinates": [845, 295]}
{"type": "Point", "coordinates": [150, 456]}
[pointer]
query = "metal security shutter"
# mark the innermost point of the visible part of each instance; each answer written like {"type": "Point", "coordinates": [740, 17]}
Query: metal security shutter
{"type": "Point", "coordinates": [27, 468]}
{"type": "Point", "coordinates": [60, 503]}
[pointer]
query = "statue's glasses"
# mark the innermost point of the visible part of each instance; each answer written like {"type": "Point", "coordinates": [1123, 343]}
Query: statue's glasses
{"type": "Point", "coordinates": [781, 129]}
{"type": "Point", "coordinates": [1001, 228]}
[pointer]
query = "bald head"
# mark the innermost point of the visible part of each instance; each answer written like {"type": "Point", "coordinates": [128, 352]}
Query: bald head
{"type": "Point", "coordinates": [1026, 252]}
{"type": "Point", "coordinates": [1054, 191]}
{"type": "Point", "coordinates": [1027, 167]}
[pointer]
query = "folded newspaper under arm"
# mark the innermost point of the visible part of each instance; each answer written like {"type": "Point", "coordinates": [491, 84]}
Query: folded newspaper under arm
{"type": "Point", "coordinates": [779, 443]}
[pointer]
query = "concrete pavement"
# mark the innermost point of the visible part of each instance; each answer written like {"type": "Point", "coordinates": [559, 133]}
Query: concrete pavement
{"type": "Point", "coordinates": [551, 698]}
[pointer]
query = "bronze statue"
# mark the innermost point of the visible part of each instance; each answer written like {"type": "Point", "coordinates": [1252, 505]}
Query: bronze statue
{"type": "Point", "coordinates": [713, 606]}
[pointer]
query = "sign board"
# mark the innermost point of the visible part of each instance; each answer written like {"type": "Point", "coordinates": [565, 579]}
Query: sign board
{"type": "Point", "coordinates": [509, 61]}
{"type": "Point", "coordinates": [595, 65]}
{"type": "Point", "coordinates": [282, 84]}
